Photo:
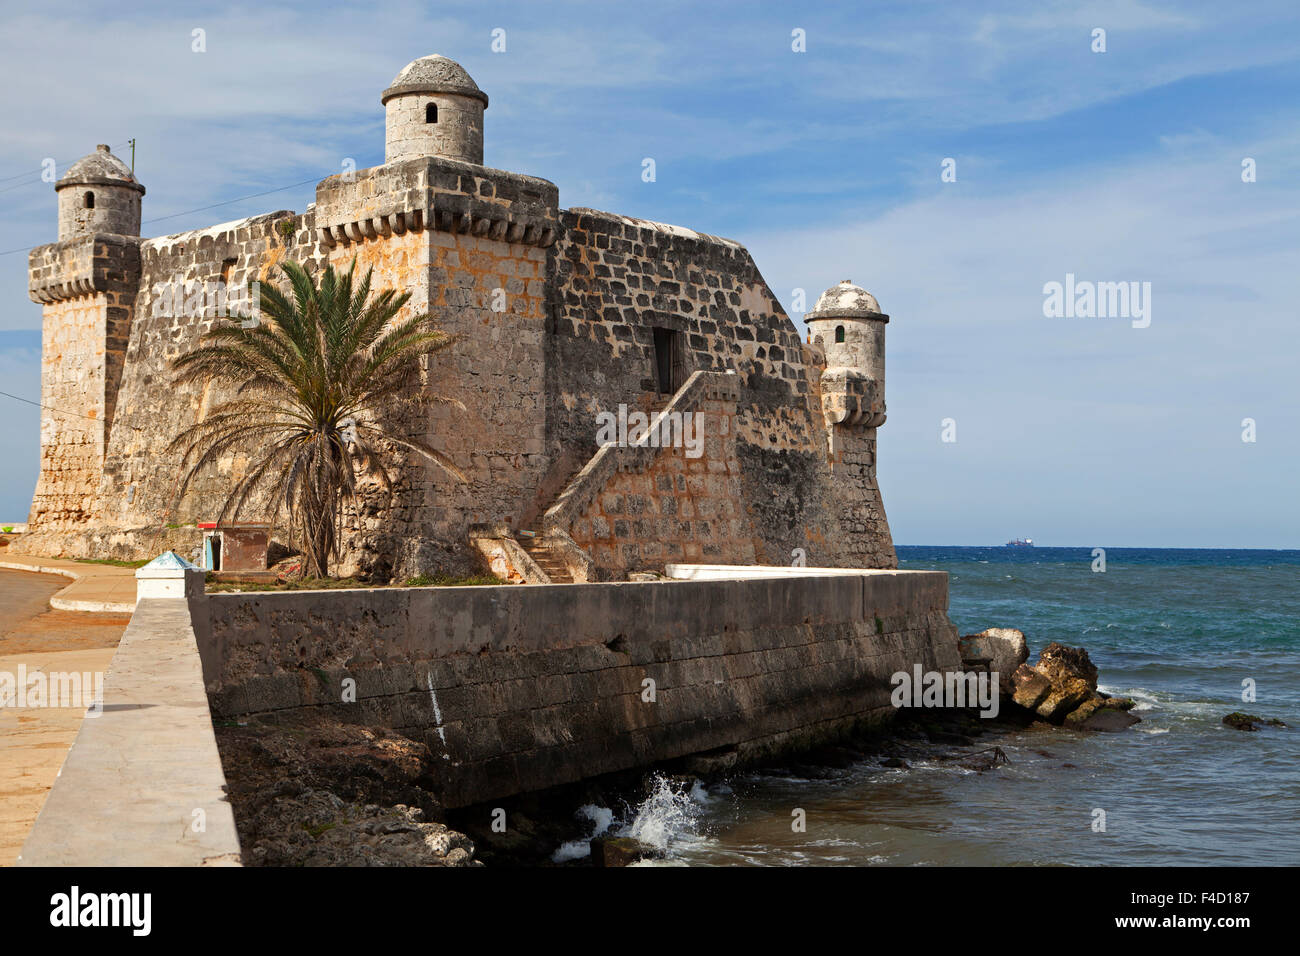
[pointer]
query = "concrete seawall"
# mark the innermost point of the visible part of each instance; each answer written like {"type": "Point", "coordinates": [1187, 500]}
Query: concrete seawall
{"type": "Point", "coordinates": [523, 688]}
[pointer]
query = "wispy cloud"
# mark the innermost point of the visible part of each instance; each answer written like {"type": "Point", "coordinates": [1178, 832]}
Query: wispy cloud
{"type": "Point", "coordinates": [1112, 166]}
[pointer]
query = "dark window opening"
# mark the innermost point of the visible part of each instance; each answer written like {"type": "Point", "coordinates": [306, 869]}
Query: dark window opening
{"type": "Point", "coordinates": [839, 333]}
{"type": "Point", "coordinates": [431, 112]}
{"type": "Point", "coordinates": [90, 200]}
{"type": "Point", "coordinates": [669, 361]}
{"type": "Point", "coordinates": [212, 555]}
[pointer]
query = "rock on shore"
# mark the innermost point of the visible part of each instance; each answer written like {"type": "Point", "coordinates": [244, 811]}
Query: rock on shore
{"type": "Point", "coordinates": [312, 791]}
{"type": "Point", "coordinates": [1061, 688]}
{"type": "Point", "coordinates": [319, 828]}
{"type": "Point", "coordinates": [1004, 648]}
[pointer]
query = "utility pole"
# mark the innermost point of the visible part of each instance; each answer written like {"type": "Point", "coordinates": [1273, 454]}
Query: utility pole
{"type": "Point", "coordinates": [132, 142]}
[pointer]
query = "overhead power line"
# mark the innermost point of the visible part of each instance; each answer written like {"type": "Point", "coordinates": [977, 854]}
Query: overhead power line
{"type": "Point", "coordinates": [40, 171]}
{"type": "Point", "coordinates": [175, 215]}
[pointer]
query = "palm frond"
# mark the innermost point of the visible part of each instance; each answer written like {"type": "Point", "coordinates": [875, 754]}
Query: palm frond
{"type": "Point", "coordinates": [313, 388]}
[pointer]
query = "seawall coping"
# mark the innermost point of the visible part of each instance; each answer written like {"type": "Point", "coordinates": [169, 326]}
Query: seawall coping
{"type": "Point", "coordinates": [145, 773]}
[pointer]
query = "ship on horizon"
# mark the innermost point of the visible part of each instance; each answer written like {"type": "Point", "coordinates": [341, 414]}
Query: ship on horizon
{"type": "Point", "coordinates": [1020, 543]}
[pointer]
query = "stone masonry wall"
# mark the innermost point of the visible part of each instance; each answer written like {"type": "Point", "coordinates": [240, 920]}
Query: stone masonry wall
{"type": "Point", "coordinates": [141, 475]}
{"type": "Point", "coordinates": [678, 509]}
{"type": "Point", "coordinates": [72, 416]}
{"type": "Point", "coordinates": [862, 511]}
{"type": "Point", "coordinates": [617, 280]}
{"type": "Point", "coordinates": [478, 262]}
{"type": "Point", "coordinates": [87, 286]}
{"type": "Point", "coordinates": [522, 688]}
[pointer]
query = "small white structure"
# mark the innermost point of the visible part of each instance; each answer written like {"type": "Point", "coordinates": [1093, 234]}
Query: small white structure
{"type": "Point", "coordinates": [168, 576]}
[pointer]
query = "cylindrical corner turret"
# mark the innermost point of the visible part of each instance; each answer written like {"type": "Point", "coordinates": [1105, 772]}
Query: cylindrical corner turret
{"type": "Point", "coordinates": [434, 108]}
{"type": "Point", "coordinates": [847, 324]}
{"type": "Point", "coordinates": [98, 194]}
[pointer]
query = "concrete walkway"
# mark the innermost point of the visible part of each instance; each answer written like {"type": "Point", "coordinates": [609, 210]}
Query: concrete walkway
{"type": "Point", "coordinates": [143, 784]}
{"type": "Point", "coordinates": [98, 588]}
{"type": "Point", "coordinates": [35, 740]}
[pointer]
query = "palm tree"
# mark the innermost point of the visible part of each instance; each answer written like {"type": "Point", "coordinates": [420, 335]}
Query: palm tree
{"type": "Point", "coordinates": [314, 386]}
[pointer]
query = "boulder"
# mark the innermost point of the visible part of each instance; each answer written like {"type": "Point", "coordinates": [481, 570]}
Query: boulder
{"type": "Point", "coordinates": [1239, 721]}
{"type": "Point", "coordinates": [1073, 677]}
{"type": "Point", "coordinates": [1029, 687]}
{"type": "Point", "coordinates": [1060, 663]}
{"type": "Point", "coordinates": [1004, 647]}
{"type": "Point", "coordinates": [1061, 688]}
{"type": "Point", "coordinates": [1109, 720]}
{"type": "Point", "coordinates": [1118, 703]}
{"type": "Point", "coordinates": [621, 851]}
{"type": "Point", "coordinates": [1085, 710]}
{"type": "Point", "coordinates": [1065, 696]}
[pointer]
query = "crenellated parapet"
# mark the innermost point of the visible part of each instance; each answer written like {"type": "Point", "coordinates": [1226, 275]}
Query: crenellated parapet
{"type": "Point", "coordinates": [83, 266]}
{"type": "Point", "coordinates": [434, 193]}
{"type": "Point", "coordinates": [852, 398]}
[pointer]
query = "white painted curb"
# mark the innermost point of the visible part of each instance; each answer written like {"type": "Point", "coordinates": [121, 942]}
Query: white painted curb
{"type": "Point", "coordinates": [67, 604]}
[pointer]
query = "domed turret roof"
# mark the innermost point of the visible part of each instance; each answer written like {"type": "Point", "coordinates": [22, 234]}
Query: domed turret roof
{"type": "Point", "coordinates": [100, 168]}
{"type": "Point", "coordinates": [846, 300]}
{"type": "Point", "coordinates": [434, 74]}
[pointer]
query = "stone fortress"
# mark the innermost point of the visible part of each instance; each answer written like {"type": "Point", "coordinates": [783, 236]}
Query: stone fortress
{"type": "Point", "coordinates": [558, 316]}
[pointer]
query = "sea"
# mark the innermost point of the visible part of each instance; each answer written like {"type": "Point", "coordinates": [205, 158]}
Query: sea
{"type": "Point", "coordinates": [1189, 634]}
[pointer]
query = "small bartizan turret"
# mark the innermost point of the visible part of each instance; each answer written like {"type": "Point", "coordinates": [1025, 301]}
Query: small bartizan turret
{"type": "Point", "coordinates": [98, 194]}
{"type": "Point", "coordinates": [849, 327]}
{"type": "Point", "coordinates": [434, 108]}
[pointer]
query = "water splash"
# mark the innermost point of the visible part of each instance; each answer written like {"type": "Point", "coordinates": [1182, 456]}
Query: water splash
{"type": "Point", "coordinates": [667, 816]}
{"type": "Point", "coordinates": [600, 818]}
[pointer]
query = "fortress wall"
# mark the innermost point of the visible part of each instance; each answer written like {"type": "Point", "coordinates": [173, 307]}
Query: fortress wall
{"type": "Point", "coordinates": [492, 420]}
{"type": "Point", "coordinates": [478, 265]}
{"type": "Point", "coordinates": [87, 285]}
{"type": "Point", "coordinates": [619, 278]}
{"type": "Point", "coordinates": [678, 509]}
{"type": "Point", "coordinates": [140, 475]}
{"type": "Point", "coordinates": [490, 295]}
{"type": "Point", "coordinates": [522, 688]}
{"type": "Point", "coordinates": [72, 419]}
{"type": "Point", "coordinates": [862, 510]}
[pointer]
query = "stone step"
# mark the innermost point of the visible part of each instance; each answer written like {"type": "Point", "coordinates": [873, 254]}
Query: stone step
{"type": "Point", "coordinates": [552, 565]}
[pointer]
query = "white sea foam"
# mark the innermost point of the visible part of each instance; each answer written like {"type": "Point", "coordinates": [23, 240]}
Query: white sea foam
{"type": "Point", "coordinates": [600, 817]}
{"type": "Point", "coordinates": [1146, 699]}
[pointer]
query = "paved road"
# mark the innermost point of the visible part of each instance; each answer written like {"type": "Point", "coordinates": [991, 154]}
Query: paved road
{"type": "Point", "coordinates": [34, 741]}
{"type": "Point", "coordinates": [23, 596]}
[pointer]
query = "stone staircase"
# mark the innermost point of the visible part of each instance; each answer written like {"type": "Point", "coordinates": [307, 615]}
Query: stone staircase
{"type": "Point", "coordinates": [550, 549]}
{"type": "Point", "coordinates": [545, 558]}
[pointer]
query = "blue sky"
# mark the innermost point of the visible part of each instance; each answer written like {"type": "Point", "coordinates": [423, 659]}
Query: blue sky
{"type": "Point", "coordinates": [1115, 166]}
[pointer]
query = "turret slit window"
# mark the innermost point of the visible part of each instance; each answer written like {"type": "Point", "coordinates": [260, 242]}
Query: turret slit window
{"type": "Point", "coordinates": [431, 112]}
{"type": "Point", "coordinates": [839, 333]}
{"type": "Point", "coordinates": [90, 200]}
